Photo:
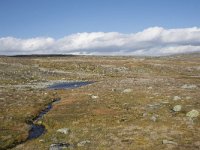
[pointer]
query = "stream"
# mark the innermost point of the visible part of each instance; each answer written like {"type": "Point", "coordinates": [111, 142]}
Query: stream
{"type": "Point", "coordinates": [37, 130]}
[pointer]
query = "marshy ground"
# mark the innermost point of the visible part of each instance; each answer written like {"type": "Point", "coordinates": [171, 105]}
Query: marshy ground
{"type": "Point", "coordinates": [135, 102]}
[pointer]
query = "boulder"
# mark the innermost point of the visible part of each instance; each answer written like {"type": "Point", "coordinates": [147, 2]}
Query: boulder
{"type": "Point", "coordinates": [83, 143]}
{"type": "Point", "coordinates": [169, 142]}
{"type": "Point", "coordinates": [127, 91]}
{"type": "Point", "coordinates": [176, 98]}
{"type": "Point", "coordinates": [64, 130]}
{"type": "Point", "coordinates": [177, 108]}
{"type": "Point", "coordinates": [192, 114]}
{"type": "Point", "coordinates": [189, 86]}
{"type": "Point", "coordinates": [59, 146]}
{"type": "Point", "coordinates": [94, 97]}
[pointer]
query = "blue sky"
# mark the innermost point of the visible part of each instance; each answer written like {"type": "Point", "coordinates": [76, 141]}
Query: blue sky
{"type": "Point", "coordinates": [57, 18]}
{"type": "Point", "coordinates": [99, 27]}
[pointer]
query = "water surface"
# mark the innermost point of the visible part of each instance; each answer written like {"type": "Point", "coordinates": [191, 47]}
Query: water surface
{"type": "Point", "coordinates": [69, 85]}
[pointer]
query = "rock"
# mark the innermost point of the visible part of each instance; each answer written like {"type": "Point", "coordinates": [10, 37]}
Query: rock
{"type": "Point", "coordinates": [192, 114]}
{"type": "Point", "coordinates": [189, 86]}
{"type": "Point", "coordinates": [64, 130]}
{"type": "Point", "coordinates": [114, 90]}
{"type": "Point", "coordinates": [94, 97]}
{"type": "Point", "coordinates": [154, 118]}
{"type": "Point", "coordinates": [127, 90]}
{"type": "Point", "coordinates": [41, 140]}
{"type": "Point", "coordinates": [82, 143]}
{"type": "Point", "coordinates": [154, 106]}
{"type": "Point", "coordinates": [165, 102]}
{"type": "Point", "coordinates": [169, 142]}
{"type": "Point", "coordinates": [59, 146]}
{"type": "Point", "coordinates": [39, 122]}
{"type": "Point", "coordinates": [176, 98]}
{"type": "Point", "coordinates": [188, 97]}
{"type": "Point", "coordinates": [177, 108]}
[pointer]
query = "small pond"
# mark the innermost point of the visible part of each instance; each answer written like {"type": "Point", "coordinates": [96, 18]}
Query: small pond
{"type": "Point", "coordinates": [68, 85]}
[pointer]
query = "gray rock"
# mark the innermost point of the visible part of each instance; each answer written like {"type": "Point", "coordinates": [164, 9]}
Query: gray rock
{"type": "Point", "coordinates": [82, 143]}
{"type": "Point", "coordinates": [192, 114]}
{"type": "Point", "coordinates": [154, 106]}
{"type": "Point", "coordinates": [127, 91]}
{"type": "Point", "coordinates": [94, 97]}
{"type": "Point", "coordinates": [176, 98]}
{"type": "Point", "coordinates": [64, 130]}
{"type": "Point", "coordinates": [177, 108]}
{"type": "Point", "coordinates": [169, 142]}
{"type": "Point", "coordinates": [114, 90]}
{"type": "Point", "coordinates": [188, 97]}
{"type": "Point", "coordinates": [189, 86]}
{"type": "Point", "coordinates": [165, 102]}
{"type": "Point", "coordinates": [41, 140]}
{"type": "Point", "coordinates": [59, 146]}
{"type": "Point", "coordinates": [154, 118]}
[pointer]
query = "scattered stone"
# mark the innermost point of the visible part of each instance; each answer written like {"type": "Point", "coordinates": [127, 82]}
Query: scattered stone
{"type": "Point", "coordinates": [39, 122]}
{"type": "Point", "coordinates": [188, 97]}
{"type": "Point", "coordinates": [127, 90]}
{"type": "Point", "coordinates": [176, 98]}
{"type": "Point", "coordinates": [114, 90]}
{"type": "Point", "coordinates": [154, 118]}
{"type": "Point", "coordinates": [41, 140]}
{"type": "Point", "coordinates": [165, 102]}
{"type": "Point", "coordinates": [177, 108]}
{"type": "Point", "coordinates": [193, 114]}
{"type": "Point", "coordinates": [82, 143]}
{"type": "Point", "coordinates": [64, 130]}
{"type": "Point", "coordinates": [154, 106]}
{"type": "Point", "coordinates": [150, 88]}
{"type": "Point", "coordinates": [169, 142]}
{"type": "Point", "coordinates": [189, 86]}
{"type": "Point", "coordinates": [59, 146]}
{"type": "Point", "coordinates": [94, 97]}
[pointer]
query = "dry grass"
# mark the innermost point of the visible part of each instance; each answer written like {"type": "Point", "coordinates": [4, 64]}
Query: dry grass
{"type": "Point", "coordinates": [140, 119]}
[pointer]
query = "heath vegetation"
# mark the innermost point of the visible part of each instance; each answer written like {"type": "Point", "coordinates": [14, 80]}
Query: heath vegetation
{"type": "Point", "coordinates": [134, 103]}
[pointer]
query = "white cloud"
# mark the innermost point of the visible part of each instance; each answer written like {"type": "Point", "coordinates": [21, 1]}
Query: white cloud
{"type": "Point", "coordinates": [151, 41]}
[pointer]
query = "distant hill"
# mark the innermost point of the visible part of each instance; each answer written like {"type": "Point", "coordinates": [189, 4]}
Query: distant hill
{"type": "Point", "coordinates": [192, 54]}
{"type": "Point", "coordinates": [44, 55]}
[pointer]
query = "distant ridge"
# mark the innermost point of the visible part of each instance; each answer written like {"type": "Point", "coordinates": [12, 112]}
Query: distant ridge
{"type": "Point", "coordinates": [191, 54]}
{"type": "Point", "coordinates": [44, 55]}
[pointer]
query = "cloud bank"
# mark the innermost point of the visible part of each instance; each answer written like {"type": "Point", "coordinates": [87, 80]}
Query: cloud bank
{"type": "Point", "coordinates": [153, 41]}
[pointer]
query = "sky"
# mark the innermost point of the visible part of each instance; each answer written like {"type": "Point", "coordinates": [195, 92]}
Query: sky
{"type": "Point", "coordinates": [99, 27]}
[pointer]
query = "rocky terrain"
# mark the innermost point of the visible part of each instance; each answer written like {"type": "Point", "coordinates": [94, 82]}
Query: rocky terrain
{"type": "Point", "coordinates": [134, 103]}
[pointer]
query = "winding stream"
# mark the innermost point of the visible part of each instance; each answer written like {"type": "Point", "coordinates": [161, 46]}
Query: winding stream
{"type": "Point", "coordinates": [37, 130]}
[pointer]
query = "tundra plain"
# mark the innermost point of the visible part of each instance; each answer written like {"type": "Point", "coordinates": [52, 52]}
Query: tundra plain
{"type": "Point", "coordinates": [134, 103]}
